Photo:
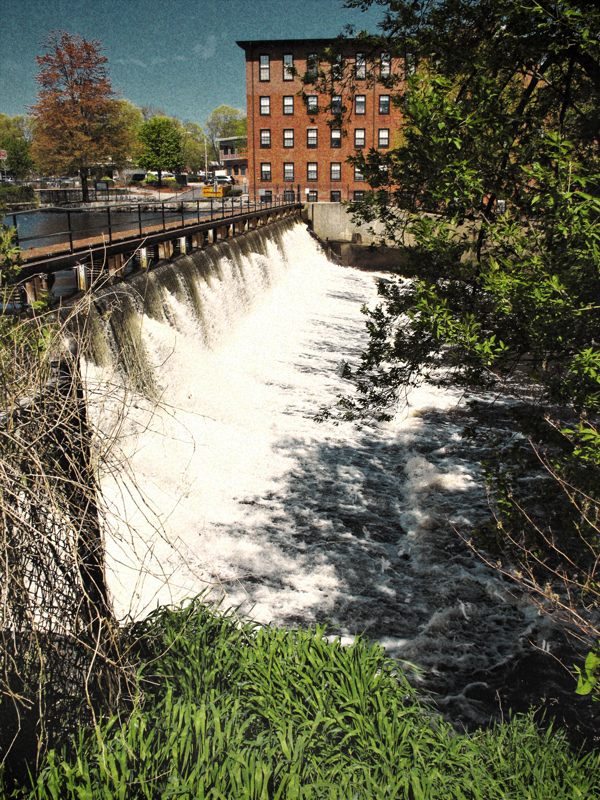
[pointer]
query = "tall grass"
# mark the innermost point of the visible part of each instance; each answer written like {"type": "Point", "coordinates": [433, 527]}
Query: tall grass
{"type": "Point", "coordinates": [228, 710]}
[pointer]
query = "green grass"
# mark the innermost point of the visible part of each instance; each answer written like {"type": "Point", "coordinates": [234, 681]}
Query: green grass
{"type": "Point", "coordinates": [229, 710]}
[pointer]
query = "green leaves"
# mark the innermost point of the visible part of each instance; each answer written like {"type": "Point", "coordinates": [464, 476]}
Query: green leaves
{"type": "Point", "coordinates": [590, 674]}
{"type": "Point", "coordinates": [296, 716]}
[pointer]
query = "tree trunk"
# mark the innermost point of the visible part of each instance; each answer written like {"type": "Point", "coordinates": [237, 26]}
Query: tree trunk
{"type": "Point", "coordinates": [85, 191]}
{"type": "Point", "coordinates": [159, 177]}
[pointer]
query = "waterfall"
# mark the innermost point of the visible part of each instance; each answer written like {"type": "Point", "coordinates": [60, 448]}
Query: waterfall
{"type": "Point", "coordinates": [203, 377]}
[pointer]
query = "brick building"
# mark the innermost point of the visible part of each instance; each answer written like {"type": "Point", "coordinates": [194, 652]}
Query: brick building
{"type": "Point", "coordinates": [291, 148]}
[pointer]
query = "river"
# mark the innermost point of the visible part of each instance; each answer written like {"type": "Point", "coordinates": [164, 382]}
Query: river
{"type": "Point", "coordinates": [223, 481]}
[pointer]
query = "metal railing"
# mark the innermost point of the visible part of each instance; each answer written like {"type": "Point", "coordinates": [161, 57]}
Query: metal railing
{"type": "Point", "coordinates": [72, 229]}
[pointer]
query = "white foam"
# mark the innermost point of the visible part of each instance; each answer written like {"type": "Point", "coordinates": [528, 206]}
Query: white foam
{"type": "Point", "coordinates": [242, 492]}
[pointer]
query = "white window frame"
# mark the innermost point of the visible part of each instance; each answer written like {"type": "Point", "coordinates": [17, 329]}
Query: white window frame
{"type": "Point", "coordinates": [385, 99]}
{"type": "Point", "coordinates": [385, 68]}
{"type": "Point", "coordinates": [360, 140]}
{"type": "Point", "coordinates": [265, 103]}
{"type": "Point", "coordinates": [288, 105]}
{"type": "Point", "coordinates": [264, 68]}
{"type": "Point", "coordinates": [361, 67]}
{"type": "Point", "coordinates": [287, 75]}
{"type": "Point", "coordinates": [288, 137]}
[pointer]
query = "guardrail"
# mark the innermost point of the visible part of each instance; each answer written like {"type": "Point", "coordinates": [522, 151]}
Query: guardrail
{"type": "Point", "coordinates": [79, 228]}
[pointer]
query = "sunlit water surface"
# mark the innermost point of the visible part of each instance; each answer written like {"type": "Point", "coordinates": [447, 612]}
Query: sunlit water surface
{"type": "Point", "coordinates": [236, 489]}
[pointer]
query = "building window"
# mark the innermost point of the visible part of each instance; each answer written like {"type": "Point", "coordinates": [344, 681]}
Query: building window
{"type": "Point", "coordinates": [335, 197]}
{"type": "Point", "coordinates": [243, 169]}
{"type": "Point", "coordinates": [288, 137]}
{"type": "Point", "coordinates": [312, 64]}
{"type": "Point", "coordinates": [312, 196]}
{"type": "Point", "coordinates": [358, 195]}
{"type": "Point", "coordinates": [384, 104]}
{"type": "Point", "coordinates": [312, 103]}
{"type": "Point", "coordinates": [358, 176]}
{"type": "Point", "coordinates": [265, 138]}
{"type": "Point", "coordinates": [336, 103]}
{"type": "Point", "coordinates": [288, 104]}
{"type": "Point", "coordinates": [289, 196]}
{"type": "Point", "coordinates": [265, 171]}
{"type": "Point", "coordinates": [266, 196]}
{"type": "Point", "coordinates": [384, 137]}
{"type": "Point", "coordinates": [288, 171]}
{"type": "Point", "coordinates": [359, 137]}
{"type": "Point", "coordinates": [288, 66]}
{"type": "Point", "coordinates": [361, 66]}
{"type": "Point", "coordinates": [265, 106]}
{"type": "Point", "coordinates": [337, 67]}
{"type": "Point", "coordinates": [360, 104]}
{"type": "Point", "coordinates": [335, 171]}
{"type": "Point", "coordinates": [312, 171]}
{"type": "Point", "coordinates": [228, 169]}
{"type": "Point", "coordinates": [386, 65]}
{"type": "Point", "coordinates": [312, 138]}
{"type": "Point", "coordinates": [336, 137]}
{"type": "Point", "coordinates": [265, 70]}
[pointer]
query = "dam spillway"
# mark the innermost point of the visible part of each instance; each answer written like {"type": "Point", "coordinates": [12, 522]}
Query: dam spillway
{"type": "Point", "coordinates": [203, 379]}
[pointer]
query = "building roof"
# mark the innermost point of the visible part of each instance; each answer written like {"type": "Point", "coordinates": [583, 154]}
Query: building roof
{"type": "Point", "coordinates": [246, 45]}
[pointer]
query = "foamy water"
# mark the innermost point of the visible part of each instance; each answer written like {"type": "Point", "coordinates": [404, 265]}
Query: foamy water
{"type": "Point", "coordinates": [234, 488]}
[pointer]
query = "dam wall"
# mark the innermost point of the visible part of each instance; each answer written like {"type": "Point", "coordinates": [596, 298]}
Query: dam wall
{"type": "Point", "coordinates": [348, 242]}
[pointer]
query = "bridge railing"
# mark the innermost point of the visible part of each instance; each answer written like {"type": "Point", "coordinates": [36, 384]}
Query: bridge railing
{"type": "Point", "coordinates": [66, 230]}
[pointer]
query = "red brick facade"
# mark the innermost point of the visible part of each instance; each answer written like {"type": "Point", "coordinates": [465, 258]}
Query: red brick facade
{"type": "Point", "coordinates": [290, 148]}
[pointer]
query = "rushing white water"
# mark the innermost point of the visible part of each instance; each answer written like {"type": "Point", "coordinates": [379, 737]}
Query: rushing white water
{"type": "Point", "coordinates": [296, 521]}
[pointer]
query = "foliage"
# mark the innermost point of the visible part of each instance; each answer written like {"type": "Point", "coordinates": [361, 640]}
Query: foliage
{"type": "Point", "coordinates": [234, 711]}
{"type": "Point", "coordinates": [223, 122]}
{"type": "Point", "coordinates": [58, 657]}
{"type": "Point", "coordinates": [160, 146]}
{"type": "Point", "coordinates": [492, 196]}
{"type": "Point", "coordinates": [79, 121]}
{"type": "Point", "coordinates": [15, 138]}
{"type": "Point", "coordinates": [194, 147]}
{"type": "Point", "coordinates": [18, 194]}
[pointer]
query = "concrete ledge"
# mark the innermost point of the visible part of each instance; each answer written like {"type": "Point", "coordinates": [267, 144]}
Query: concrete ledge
{"type": "Point", "coordinates": [379, 259]}
{"type": "Point", "coordinates": [332, 221]}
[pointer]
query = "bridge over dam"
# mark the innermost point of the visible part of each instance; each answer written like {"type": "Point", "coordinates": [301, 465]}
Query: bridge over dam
{"type": "Point", "coordinates": [69, 250]}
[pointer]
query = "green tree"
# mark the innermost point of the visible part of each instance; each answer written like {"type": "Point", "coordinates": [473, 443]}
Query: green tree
{"type": "Point", "coordinates": [224, 121]}
{"type": "Point", "coordinates": [160, 146]}
{"type": "Point", "coordinates": [79, 120]}
{"type": "Point", "coordinates": [493, 197]}
{"type": "Point", "coordinates": [15, 139]}
{"type": "Point", "coordinates": [194, 146]}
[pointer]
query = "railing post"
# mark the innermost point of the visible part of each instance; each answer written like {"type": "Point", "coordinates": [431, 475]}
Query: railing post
{"type": "Point", "coordinates": [109, 225]}
{"type": "Point", "coordinates": [140, 219]}
{"type": "Point", "coordinates": [70, 230]}
{"type": "Point", "coordinates": [14, 216]}
{"type": "Point", "coordinates": [211, 209]}
{"type": "Point", "coordinates": [198, 211]}
{"type": "Point", "coordinates": [163, 216]}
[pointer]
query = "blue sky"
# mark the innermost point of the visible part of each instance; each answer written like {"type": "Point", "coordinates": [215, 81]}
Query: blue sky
{"type": "Point", "coordinates": [178, 55]}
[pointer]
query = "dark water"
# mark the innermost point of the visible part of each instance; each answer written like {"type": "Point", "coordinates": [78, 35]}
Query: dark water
{"type": "Point", "coordinates": [40, 229]}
